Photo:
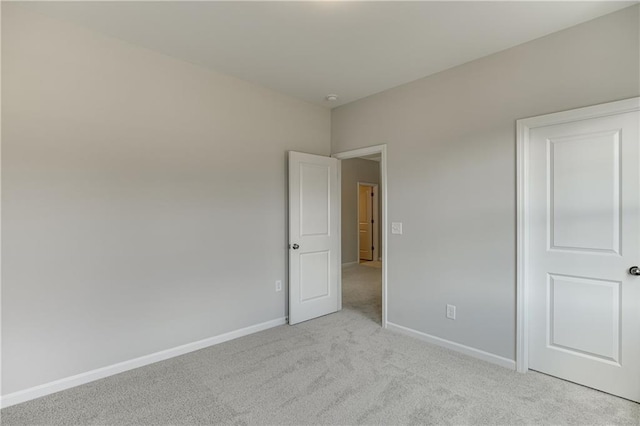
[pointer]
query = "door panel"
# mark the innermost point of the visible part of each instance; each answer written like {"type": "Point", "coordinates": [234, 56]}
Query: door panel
{"type": "Point", "coordinates": [584, 176]}
{"type": "Point", "coordinates": [315, 268]}
{"type": "Point", "coordinates": [313, 236]}
{"type": "Point", "coordinates": [584, 316]}
{"type": "Point", "coordinates": [584, 234]}
{"type": "Point", "coordinates": [314, 199]}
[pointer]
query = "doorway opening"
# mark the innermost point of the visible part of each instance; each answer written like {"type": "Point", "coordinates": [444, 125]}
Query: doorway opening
{"type": "Point", "coordinates": [362, 283]}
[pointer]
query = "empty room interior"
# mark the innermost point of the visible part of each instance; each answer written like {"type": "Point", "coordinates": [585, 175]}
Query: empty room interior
{"type": "Point", "coordinates": [320, 212]}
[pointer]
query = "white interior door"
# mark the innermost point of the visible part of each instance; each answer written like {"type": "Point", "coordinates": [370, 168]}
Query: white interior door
{"type": "Point", "coordinates": [584, 236]}
{"type": "Point", "coordinates": [313, 236]}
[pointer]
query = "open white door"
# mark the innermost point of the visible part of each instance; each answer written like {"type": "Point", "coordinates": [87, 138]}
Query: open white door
{"type": "Point", "coordinates": [583, 246]}
{"type": "Point", "coordinates": [313, 236]}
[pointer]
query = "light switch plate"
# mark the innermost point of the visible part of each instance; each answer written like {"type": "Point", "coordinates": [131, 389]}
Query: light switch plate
{"type": "Point", "coordinates": [396, 227]}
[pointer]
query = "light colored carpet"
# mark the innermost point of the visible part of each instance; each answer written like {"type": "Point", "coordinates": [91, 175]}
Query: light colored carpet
{"type": "Point", "coordinates": [338, 369]}
{"type": "Point", "coordinates": [371, 263]}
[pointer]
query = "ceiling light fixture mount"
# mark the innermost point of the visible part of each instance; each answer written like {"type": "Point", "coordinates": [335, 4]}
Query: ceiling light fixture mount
{"type": "Point", "coordinates": [331, 98]}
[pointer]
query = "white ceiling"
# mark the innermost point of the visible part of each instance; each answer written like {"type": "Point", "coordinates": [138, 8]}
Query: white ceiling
{"type": "Point", "coordinates": [311, 49]}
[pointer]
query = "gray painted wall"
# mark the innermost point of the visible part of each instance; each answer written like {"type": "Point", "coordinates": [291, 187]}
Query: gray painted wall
{"type": "Point", "coordinates": [143, 199]}
{"type": "Point", "coordinates": [355, 170]}
{"type": "Point", "coordinates": [452, 169]}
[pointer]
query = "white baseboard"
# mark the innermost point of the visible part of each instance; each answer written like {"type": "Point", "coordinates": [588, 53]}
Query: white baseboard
{"type": "Point", "coordinates": [99, 373]}
{"type": "Point", "coordinates": [344, 265]}
{"type": "Point", "coordinates": [467, 350]}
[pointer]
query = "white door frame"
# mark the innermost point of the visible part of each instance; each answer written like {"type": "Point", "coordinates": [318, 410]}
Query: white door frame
{"type": "Point", "coordinates": [524, 127]}
{"type": "Point", "coordinates": [375, 215]}
{"type": "Point", "coordinates": [382, 150]}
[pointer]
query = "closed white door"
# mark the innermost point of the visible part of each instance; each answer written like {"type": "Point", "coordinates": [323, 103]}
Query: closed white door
{"type": "Point", "coordinates": [584, 236]}
{"type": "Point", "coordinates": [365, 221]}
{"type": "Point", "coordinates": [313, 236]}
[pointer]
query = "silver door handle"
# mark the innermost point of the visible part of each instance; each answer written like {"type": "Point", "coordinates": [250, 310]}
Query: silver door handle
{"type": "Point", "coordinates": [634, 270]}
{"type": "Point", "coordinates": [295, 247]}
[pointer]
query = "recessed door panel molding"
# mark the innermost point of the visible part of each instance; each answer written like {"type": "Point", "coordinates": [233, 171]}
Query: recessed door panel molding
{"type": "Point", "coordinates": [584, 316]}
{"type": "Point", "coordinates": [584, 192]}
{"type": "Point", "coordinates": [315, 267]}
{"type": "Point", "coordinates": [578, 239]}
{"type": "Point", "coordinates": [315, 202]}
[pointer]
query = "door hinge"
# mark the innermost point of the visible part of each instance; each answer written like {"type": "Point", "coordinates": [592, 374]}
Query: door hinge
{"type": "Point", "coordinates": [373, 248]}
{"type": "Point", "coordinates": [372, 193]}
{"type": "Point", "coordinates": [371, 220]}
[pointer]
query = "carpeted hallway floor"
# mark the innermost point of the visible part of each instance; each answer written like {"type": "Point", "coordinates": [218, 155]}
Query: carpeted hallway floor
{"type": "Point", "coordinates": [338, 369]}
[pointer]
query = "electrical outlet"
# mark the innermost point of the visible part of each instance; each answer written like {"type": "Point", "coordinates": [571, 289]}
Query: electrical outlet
{"type": "Point", "coordinates": [451, 312]}
{"type": "Point", "coordinates": [278, 285]}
